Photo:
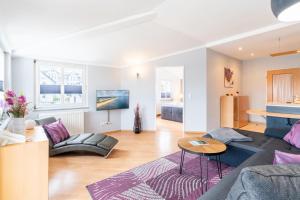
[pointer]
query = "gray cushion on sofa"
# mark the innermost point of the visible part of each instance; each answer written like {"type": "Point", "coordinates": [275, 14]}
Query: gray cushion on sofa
{"type": "Point", "coordinates": [227, 135]}
{"type": "Point", "coordinates": [64, 143]}
{"type": "Point", "coordinates": [80, 139]}
{"type": "Point", "coordinates": [96, 138]}
{"type": "Point", "coordinates": [275, 182]}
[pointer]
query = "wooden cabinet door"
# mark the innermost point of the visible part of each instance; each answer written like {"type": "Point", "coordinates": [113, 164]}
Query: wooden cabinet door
{"type": "Point", "coordinates": [227, 111]}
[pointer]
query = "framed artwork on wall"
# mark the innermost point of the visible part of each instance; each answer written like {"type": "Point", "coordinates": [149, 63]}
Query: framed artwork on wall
{"type": "Point", "coordinates": [228, 77]}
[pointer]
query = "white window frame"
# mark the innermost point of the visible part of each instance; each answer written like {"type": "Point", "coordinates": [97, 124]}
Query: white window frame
{"type": "Point", "coordinates": [166, 98]}
{"type": "Point", "coordinates": [2, 72]}
{"type": "Point", "coordinates": [62, 105]}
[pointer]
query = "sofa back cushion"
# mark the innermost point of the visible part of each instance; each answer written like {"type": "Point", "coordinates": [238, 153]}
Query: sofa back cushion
{"type": "Point", "coordinates": [293, 137]}
{"type": "Point", "coordinates": [286, 158]}
{"type": "Point", "coordinates": [277, 132]}
{"type": "Point", "coordinates": [57, 131]}
{"type": "Point", "coordinates": [276, 182]}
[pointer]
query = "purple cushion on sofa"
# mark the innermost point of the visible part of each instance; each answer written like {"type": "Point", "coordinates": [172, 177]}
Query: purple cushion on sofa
{"type": "Point", "coordinates": [293, 137]}
{"type": "Point", "coordinates": [285, 158]}
{"type": "Point", "coordinates": [57, 131]}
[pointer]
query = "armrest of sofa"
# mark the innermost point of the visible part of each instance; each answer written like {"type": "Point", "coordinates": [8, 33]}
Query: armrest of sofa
{"type": "Point", "coordinates": [276, 182]}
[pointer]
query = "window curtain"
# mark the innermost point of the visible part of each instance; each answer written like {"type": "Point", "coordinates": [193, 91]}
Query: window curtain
{"type": "Point", "coordinates": [283, 88]}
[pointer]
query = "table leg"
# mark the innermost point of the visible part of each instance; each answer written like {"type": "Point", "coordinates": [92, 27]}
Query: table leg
{"type": "Point", "coordinates": [181, 161]}
{"type": "Point", "coordinates": [220, 164]}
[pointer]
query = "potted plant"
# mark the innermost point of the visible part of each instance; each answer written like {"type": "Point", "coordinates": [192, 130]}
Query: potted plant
{"type": "Point", "coordinates": [137, 127]}
{"type": "Point", "coordinates": [17, 109]}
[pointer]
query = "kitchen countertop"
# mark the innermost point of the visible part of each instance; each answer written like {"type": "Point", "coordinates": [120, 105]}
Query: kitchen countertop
{"type": "Point", "coordinates": [284, 104]}
{"type": "Point", "coordinates": [272, 114]}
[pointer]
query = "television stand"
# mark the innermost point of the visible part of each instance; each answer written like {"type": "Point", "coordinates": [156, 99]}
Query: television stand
{"type": "Point", "coordinates": [108, 122]}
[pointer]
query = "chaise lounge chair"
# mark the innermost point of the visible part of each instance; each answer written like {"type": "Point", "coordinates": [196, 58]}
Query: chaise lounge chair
{"type": "Point", "coordinates": [90, 142]}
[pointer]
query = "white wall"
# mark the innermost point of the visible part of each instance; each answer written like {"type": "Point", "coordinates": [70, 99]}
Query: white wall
{"type": "Point", "coordinates": [143, 90]}
{"type": "Point", "coordinates": [101, 78]}
{"type": "Point", "coordinates": [98, 78]}
{"type": "Point", "coordinates": [215, 84]}
{"type": "Point", "coordinates": [254, 83]}
{"type": "Point", "coordinates": [203, 86]}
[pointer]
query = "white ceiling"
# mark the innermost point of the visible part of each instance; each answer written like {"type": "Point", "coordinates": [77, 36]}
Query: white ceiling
{"type": "Point", "coordinates": [264, 44]}
{"type": "Point", "coordinates": [118, 32]}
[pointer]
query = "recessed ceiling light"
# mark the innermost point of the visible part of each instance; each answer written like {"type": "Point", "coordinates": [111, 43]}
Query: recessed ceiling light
{"type": "Point", "coordinates": [252, 54]}
{"type": "Point", "coordinates": [286, 10]}
{"type": "Point", "coordinates": [240, 48]}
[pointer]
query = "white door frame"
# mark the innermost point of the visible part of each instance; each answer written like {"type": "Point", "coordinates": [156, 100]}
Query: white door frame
{"type": "Point", "coordinates": [183, 82]}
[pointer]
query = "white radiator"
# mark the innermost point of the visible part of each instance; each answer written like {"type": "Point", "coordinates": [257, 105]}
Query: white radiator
{"type": "Point", "coordinates": [73, 120]}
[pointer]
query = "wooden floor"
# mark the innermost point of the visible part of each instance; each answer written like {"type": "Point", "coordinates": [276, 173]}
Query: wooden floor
{"type": "Point", "coordinates": [70, 173]}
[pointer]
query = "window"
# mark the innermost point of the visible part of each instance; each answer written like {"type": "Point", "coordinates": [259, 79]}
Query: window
{"type": "Point", "coordinates": [165, 90]}
{"type": "Point", "coordinates": [60, 85]}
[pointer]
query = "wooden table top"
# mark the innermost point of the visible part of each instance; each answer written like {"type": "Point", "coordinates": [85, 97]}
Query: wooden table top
{"type": "Point", "coordinates": [35, 135]}
{"type": "Point", "coordinates": [212, 146]}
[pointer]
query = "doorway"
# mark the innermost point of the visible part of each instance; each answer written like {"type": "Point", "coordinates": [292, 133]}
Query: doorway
{"type": "Point", "coordinates": [170, 98]}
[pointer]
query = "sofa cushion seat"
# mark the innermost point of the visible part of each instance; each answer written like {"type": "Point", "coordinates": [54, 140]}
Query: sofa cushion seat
{"type": "Point", "coordinates": [259, 140]}
{"type": "Point", "coordinates": [63, 143]}
{"type": "Point", "coordinates": [94, 139]}
{"type": "Point", "coordinates": [80, 139]}
{"type": "Point", "coordinates": [107, 143]}
{"type": "Point", "coordinates": [281, 145]}
{"type": "Point", "coordinates": [238, 152]}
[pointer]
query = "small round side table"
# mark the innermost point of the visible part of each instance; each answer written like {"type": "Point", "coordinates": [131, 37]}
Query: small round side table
{"type": "Point", "coordinates": [210, 148]}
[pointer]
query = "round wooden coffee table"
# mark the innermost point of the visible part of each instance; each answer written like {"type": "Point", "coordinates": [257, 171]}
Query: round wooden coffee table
{"type": "Point", "coordinates": [202, 147]}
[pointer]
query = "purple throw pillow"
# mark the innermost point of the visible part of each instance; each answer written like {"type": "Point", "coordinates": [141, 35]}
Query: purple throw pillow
{"type": "Point", "coordinates": [293, 137]}
{"type": "Point", "coordinates": [57, 131]}
{"type": "Point", "coordinates": [285, 158]}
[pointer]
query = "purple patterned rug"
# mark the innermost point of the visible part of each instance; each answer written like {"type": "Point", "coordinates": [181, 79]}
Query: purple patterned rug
{"type": "Point", "coordinates": [159, 179]}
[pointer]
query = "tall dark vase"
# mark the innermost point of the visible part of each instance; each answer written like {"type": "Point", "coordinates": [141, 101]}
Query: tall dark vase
{"type": "Point", "coordinates": [137, 127]}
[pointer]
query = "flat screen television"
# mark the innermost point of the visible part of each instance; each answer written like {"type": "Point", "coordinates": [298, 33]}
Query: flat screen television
{"type": "Point", "coordinates": [112, 99]}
